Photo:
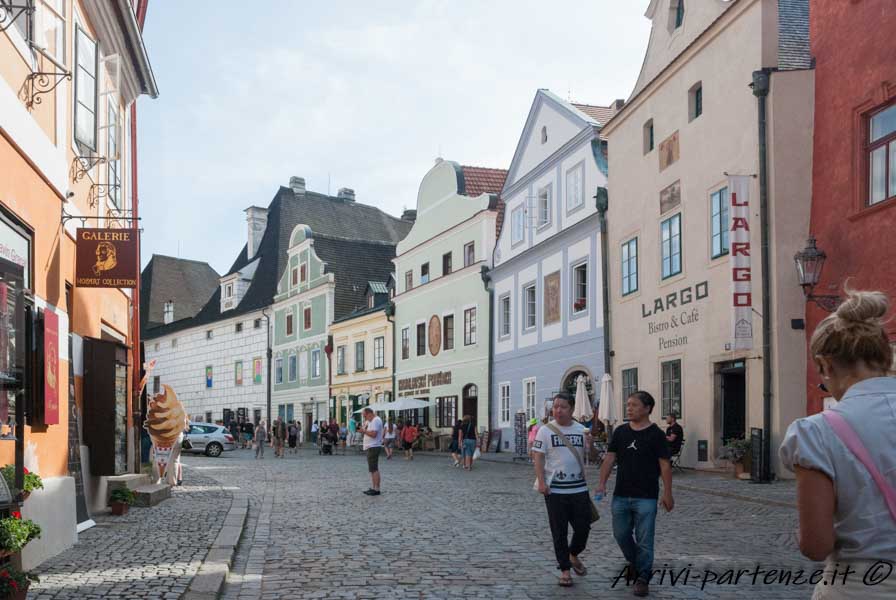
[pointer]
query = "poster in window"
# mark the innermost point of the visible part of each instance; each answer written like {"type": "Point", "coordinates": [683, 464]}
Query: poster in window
{"type": "Point", "coordinates": [51, 368]}
{"type": "Point", "coordinates": [552, 298]}
{"type": "Point", "coordinates": [256, 370]}
{"type": "Point", "coordinates": [238, 372]}
{"type": "Point", "coordinates": [208, 376]}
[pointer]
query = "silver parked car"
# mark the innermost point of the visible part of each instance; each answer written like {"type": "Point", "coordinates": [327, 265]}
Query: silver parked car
{"type": "Point", "coordinates": [210, 439]}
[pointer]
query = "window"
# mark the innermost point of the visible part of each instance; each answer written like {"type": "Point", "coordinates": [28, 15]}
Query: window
{"type": "Point", "coordinates": [289, 324]}
{"type": "Point", "coordinates": [670, 241]}
{"type": "Point", "coordinates": [544, 134]}
{"type": "Point", "coordinates": [446, 411]}
{"type": "Point", "coordinates": [448, 332]}
{"type": "Point", "coordinates": [695, 101]}
{"type": "Point", "coordinates": [85, 89]}
{"type": "Point", "coordinates": [292, 367]}
{"type": "Point", "coordinates": [409, 280]}
{"type": "Point", "coordinates": [580, 288]}
{"type": "Point", "coordinates": [505, 315]}
{"type": "Point", "coordinates": [544, 205]}
{"type": "Point", "coordinates": [209, 334]}
{"type": "Point", "coordinates": [370, 300]}
{"type": "Point", "coordinates": [529, 395]}
{"type": "Point", "coordinates": [469, 254]}
{"type": "Point", "coordinates": [671, 388]}
{"type": "Point", "coordinates": [340, 360]}
{"type": "Point", "coordinates": [718, 210]}
{"type": "Point", "coordinates": [405, 343]}
{"type": "Point", "coordinates": [359, 356]}
{"type": "Point", "coordinates": [156, 384]}
{"type": "Point", "coordinates": [648, 136]}
{"type": "Point", "coordinates": [517, 224]}
{"type": "Point", "coordinates": [238, 328]}
{"type": "Point", "coordinates": [679, 13]}
{"type": "Point", "coordinates": [424, 273]}
{"type": "Point", "coordinates": [174, 342]}
{"type": "Point", "coordinates": [303, 365]}
{"type": "Point", "coordinates": [295, 276]}
{"type": "Point", "coordinates": [306, 317]}
{"type": "Point", "coordinates": [113, 164]}
{"type": "Point", "coordinates": [575, 187]}
{"type": "Point", "coordinates": [504, 407]}
{"type": "Point", "coordinates": [469, 327]}
{"type": "Point", "coordinates": [315, 363]}
{"type": "Point", "coordinates": [257, 324]}
{"type": "Point", "coordinates": [278, 371]}
{"type": "Point", "coordinates": [530, 306]}
{"type": "Point", "coordinates": [446, 263]}
{"type": "Point", "coordinates": [156, 347]}
{"type": "Point", "coordinates": [630, 266]}
{"type": "Point", "coordinates": [421, 339]}
{"type": "Point", "coordinates": [629, 383]}
{"type": "Point", "coordinates": [882, 160]}
{"type": "Point", "coordinates": [303, 272]}
{"type": "Point", "coordinates": [228, 290]}
{"type": "Point", "coordinates": [379, 353]}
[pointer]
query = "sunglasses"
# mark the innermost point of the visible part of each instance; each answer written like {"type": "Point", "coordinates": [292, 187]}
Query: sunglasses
{"type": "Point", "coordinates": [823, 388]}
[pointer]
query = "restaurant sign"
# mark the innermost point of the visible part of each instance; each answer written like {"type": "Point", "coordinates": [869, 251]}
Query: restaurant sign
{"type": "Point", "coordinates": [421, 384]}
{"type": "Point", "coordinates": [106, 258]}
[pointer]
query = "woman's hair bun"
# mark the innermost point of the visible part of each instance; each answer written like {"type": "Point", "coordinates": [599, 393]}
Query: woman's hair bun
{"type": "Point", "coordinates": [863, 306]}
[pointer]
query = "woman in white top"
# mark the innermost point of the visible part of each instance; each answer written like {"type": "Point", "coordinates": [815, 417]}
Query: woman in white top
{"type": "Point", "coordinates": [843, 513]}
{"type": "Point", "coordinates": [389, 434]}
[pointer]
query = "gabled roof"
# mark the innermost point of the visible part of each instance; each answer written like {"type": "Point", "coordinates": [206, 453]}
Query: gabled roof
{"type": "Point", "coordinates": [187, 283]}
{"type": "Point", "coordinates": [601, 114]}
{"type": "Point", "coordinates": [482, 180]}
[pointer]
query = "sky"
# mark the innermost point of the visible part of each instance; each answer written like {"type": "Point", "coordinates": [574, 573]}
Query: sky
{"type": "Point", "coordinates": [356, 94]}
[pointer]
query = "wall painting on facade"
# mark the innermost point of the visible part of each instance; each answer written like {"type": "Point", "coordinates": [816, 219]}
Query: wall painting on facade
{"type": "Point", "coordinates": [238, 372]}
{"type": "Point", "coordinates": [552, 298]}
{"type": "Point", "coordinates": [208, 376]}
{"type": "Point", "coordinates": [435, 335]}
{"type": "Point", "coordinates": [668, 151]}
{"type": "Point", "coordinates": [670, 197]}
{"type": "Point", "coordinates": [256, 370]}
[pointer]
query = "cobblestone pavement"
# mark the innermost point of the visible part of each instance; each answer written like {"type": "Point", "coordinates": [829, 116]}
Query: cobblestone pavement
{"type": "Point", "coordinates": [148, 553]}
{"type": "Point", "coordinates": [438, 532]}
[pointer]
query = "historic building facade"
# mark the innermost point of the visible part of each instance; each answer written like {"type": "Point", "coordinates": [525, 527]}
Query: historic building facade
{"type": "Point", "coordinates": [442, 306]}
{"type": "Point", "coordinates": [65, 148]}
{"type": "Point", "coordinates": [546, 278]}
{"type": "Point", "coordinates": [685, 255]}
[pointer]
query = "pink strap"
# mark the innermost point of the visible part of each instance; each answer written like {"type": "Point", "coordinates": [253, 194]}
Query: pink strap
{"type": "Point", "coordinates": [851, 440]}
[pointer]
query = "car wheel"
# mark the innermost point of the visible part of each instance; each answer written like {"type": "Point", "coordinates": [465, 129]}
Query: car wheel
{"type": "Point", "coordinates": [214, 449]}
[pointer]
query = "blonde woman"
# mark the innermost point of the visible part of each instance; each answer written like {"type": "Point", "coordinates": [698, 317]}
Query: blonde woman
{"type": "Point", "coordinates": [845, 458]}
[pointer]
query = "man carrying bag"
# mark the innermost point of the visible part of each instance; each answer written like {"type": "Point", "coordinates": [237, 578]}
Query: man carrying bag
{"type": "Point", "coordinates": [560, 476]}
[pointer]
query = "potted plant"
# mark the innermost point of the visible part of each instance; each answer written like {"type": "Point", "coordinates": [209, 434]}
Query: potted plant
{"type": "Point", "coordinates": [15, 532]}
{"type": "Point", "coordinates": [120, 500]}
{"type": "Point", "coordinates": [32, 480]}
{"type": "Point", "coordinates": [736, 450]}
{"type": "Point", "coordinates": [14, 584]}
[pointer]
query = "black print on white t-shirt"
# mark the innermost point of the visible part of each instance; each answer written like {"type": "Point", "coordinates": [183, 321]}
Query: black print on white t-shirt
{"type": "Point", "coordinates": [536, 444]}
{"type": "Point", "coordinates": [576, 440]}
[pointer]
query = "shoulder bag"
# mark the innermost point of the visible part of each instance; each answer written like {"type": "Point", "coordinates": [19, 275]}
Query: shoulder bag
{"type": "Point", "coordinates": [595, 514]}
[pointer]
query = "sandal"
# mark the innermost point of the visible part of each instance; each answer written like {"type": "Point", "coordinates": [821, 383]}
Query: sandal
{"type": "Point", "coordinates": [565, 581]}
{"type": "Point", "coordinates": [577, 566]}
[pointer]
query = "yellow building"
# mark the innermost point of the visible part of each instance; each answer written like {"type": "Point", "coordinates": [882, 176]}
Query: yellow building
{"type": "Point", "coordinates": [70, 72]}
{"type": "Point", "coordinates": [362, 358]}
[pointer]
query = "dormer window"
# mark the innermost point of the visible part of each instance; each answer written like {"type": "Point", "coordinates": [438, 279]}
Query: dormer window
{"type": "Point", "coordinates": [295, 277]}
{"type": "Point", "coordinates": [544, 134]}
{"type": "Point", "coordinates": [303, 273]}
{"type": "Point", "coordinates": [228, 290]}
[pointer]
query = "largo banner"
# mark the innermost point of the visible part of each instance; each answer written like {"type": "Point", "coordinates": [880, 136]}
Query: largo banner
{"type": "Point", "coordinates": [741, 263]}
{"type": "Point", "coordinates": [106, 258]}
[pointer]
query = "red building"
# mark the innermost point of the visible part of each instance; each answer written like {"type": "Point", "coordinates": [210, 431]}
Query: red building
{"type": "Point", "coordinates": [853, 215]}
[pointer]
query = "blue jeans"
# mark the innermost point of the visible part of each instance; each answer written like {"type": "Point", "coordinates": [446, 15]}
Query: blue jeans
{"type": "Point", "coordinates": [469, 448]}
{"type": "Point", "coordinates": [634, 524]}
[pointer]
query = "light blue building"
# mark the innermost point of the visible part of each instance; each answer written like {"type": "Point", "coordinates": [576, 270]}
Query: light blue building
{"type": "Point", "coordinates": [546, 279]}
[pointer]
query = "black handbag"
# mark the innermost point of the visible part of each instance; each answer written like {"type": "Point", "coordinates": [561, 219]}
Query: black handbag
{"type": "Point", "coordinates": [186, 444]}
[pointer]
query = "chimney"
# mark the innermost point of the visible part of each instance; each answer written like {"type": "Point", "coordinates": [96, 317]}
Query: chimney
{"type": "Point", "coordinates": [169, 312]}
{"type": "Point", "coordinates": [256, 222]}
{"type": "Point", "coordinates": [617, 105]}
{"type": "Point", "coordinates": [297, 184]}
{"type": "Point", "coordinates": [409, 215]}
{"type": "Point", "coordinates": [347, 194]}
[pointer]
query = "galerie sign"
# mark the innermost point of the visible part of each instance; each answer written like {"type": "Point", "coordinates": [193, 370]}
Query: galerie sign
{"type": "Point", "coordinates": [741, 269]}
{"type": "Point", "coordinates": [106, 258]}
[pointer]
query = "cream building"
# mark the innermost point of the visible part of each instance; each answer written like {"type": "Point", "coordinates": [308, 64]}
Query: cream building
{"type": "Point", "coordinates": [691, 120]}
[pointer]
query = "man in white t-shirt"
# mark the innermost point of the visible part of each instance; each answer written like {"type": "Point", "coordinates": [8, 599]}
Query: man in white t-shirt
{"type": "Point", "coordinates": [559, 476]}
{"type": "Point", "coordinates": [373, 443]}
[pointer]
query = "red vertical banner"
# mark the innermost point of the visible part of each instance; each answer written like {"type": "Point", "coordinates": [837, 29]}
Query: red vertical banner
{"type": "Point", "coordinates": [51, 368]}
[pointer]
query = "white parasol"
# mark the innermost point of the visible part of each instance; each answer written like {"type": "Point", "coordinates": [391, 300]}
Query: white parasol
{"type": "Point", "coordinates": [401, 404]}
{"type": "Point", "coordinates": [583, 411]}
{"type": "Point", "coordinates": [606, 410]}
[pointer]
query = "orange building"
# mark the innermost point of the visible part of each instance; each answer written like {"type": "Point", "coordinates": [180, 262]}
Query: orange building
{"type": "Point", "coordinates": [70, 73]}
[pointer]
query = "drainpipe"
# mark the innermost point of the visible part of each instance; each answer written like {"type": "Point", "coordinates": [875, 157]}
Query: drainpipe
{"type": "Point", "coordinates": [760, 85]}
{"type": "Point", "coordinates": [269, 354]}
{"type": "Point", "coordinates": [486, 281]}
{"type": "Point", "coordinates": [603, 203]}
{"type": "Point", "coordinates": [329, 350]}
{"type": "Point", "coordinates": [390, 316]}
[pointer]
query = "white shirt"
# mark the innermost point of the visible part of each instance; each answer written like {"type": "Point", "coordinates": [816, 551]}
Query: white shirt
{"type": "Point", "coordinates": [390, 435]}
{"type": "Point", "coordinates": [561, 467]}
{"type": "Point", "coordinates": [375, 424]}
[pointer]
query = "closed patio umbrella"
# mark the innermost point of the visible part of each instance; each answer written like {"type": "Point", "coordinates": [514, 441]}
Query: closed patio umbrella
{"type": "Point", "coordinates": [583, 411]}
{"type": "Point", "coordinates": [606, 410]}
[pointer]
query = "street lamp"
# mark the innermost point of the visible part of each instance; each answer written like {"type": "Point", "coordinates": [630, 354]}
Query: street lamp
{"type": "Point", "coordinates": [809, 263]}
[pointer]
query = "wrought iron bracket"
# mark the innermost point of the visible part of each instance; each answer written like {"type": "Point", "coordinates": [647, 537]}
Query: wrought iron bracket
{"type": "Point", "coordinates": [98, 191]}
{"type": "Point", "coordinates": [127, 216]}
{"type": "Point", "coordinates": [44, 81]}
{"type": "Point", "coordinates": [10, 12]}
{"type": "Point", "coordinates": [81, 165]}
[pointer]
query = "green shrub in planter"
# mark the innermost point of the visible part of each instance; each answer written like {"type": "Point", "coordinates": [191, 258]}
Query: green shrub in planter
{"type": "Point", "coordinates": [15, 532]}
{"type": "Point", "coordinates": [736, 449]}
{"type": "Point", "coordinates": [123, 495]}
{"type": "Point", "coordinates": [32, 480]}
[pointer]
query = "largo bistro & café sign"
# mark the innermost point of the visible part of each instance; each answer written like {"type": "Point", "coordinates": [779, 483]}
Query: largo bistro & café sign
{"type": "Point", "coordinates": [420, 385]}
{"type": "Point", "coordinates": [106, 258]}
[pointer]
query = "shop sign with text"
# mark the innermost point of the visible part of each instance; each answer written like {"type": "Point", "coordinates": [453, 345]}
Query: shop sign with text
{"type": "Point", "coordinates": [106, 258]}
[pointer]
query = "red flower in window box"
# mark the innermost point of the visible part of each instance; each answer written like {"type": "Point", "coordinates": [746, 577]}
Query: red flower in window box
{"type": "Point", "coordinates": [16, 514]}
{"type": "Point", "coordinates": [580, 304]}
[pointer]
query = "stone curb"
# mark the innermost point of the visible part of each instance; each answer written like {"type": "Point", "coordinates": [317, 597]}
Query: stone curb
{"type": "Point", "coordinates": [209, 579]}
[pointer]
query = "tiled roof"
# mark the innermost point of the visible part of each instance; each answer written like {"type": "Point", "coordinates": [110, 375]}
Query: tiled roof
{"type": "Point", "coordinates": [480, 180]}
{"type": "Point", "coordinates": [499, 222]}
{"type": "Point", "coordinates": [354, 262]}
{"type": "Point", "coordinates": [601, 114]}
{"type": "Point", "coordinates": [187, 283]}
{"type": "Point", "coordinates": [793, 35]}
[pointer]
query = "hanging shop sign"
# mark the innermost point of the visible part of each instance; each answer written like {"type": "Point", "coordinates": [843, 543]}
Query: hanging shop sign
{"type": "Point", "coordinates": [106, 258]}
{"type": "Point", "coordinates": [51, 368]}
{"type": "Point", "coordinates": [741, 268]}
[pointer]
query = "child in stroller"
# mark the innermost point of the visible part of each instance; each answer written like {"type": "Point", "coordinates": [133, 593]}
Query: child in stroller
{"type": "Point", "coordinates": [325, 441]}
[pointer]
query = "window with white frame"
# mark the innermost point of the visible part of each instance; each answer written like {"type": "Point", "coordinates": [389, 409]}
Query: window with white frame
{"type": "Point", "coordinates": [881, 153]}
{"type": "Point", "coordinates": [278, 371]}
{"type": "Point", "coordinates": [580, 288]}
{"type": "Point", "coordinates": [379, 352]}
{"type": "Point", "coordinates": [85, 89]}
{"type": "Point", "coordinates": [470, 326]}
{"type": "Point", "coordinates": [545, 196]}
{"type": "Point", "coordinates": [228, 290]}
{"type": "Point", "coordinates": [421, 339]}
{"type": "Point", "coordinates": [424, 273]}
{"type": "Point", "coordinates": [359, 356]}
{"type": "Point", "coordinates": [630, 266]}
{"type": "Point", "coordinates": [504, 395]}
{"type": "Point", "coordinates": [575, 187]}
{"type": "Point", "coordinates": [670, 383]}
{"type": "Point", "coordinates": [517, 224]}
{"type": "Point", "coordinates": [289, 324]}
{"type": "Point", "coordinates": [405, 343]}
{"type": "Point", "coordinates": [505, 315]}
{"type": "Point", "coordinates": [670, 242]}
{"type": "Point", "coordinates": [295, 276]}
{"type": "Point", "coordinates": [315, 363]}
{"type": "Point", "coordinates": [306, 317]}
{"type": "Point", "coordinates": [629, 384]}
{"type": "Point", "coordinates": [292, 367]}
{"type": "Point", "coordinates": [408, 280]}
{"type": "Point", "coordinates": [469, 253]}
{"type": "Point", "coordinates": [448, 332]}
{"type": "Point", "coordinates": [530, 306]}
{"type": "Point", "coordinates": [718, 209]}
{"type": "Point", "coordinates": [529, 395]}
{"type": "Point", "coordinates": [340, 360]}
{"type": "Point", "coordinates": [113, 162]}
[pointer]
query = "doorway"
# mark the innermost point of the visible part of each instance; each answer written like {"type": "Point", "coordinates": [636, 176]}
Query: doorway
{"type": "Point", "coordinates": [734, 399]}
{"type": "Point", "coordinates": [471, 401]}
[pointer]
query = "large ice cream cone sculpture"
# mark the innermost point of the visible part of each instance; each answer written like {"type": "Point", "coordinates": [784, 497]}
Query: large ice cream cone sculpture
{"type": "Point", "coordinates": [165, 418]}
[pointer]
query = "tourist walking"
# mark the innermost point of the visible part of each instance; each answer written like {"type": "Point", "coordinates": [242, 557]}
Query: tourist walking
{"type": "Point", "coordinates": [467, 440]}
{"type": "Point", "coordinates": [558, 452]}
{"type": "Point", "coordinates": [299, 433]}
{"type": "Point", "coordinates": [533, 432]}
{"type": "Point", "coordinates": [292, 435]}
{"type": "Point", "coordinates": [641, 449]}
{"type": "Point", "coordinates": [279, 437]}
{"type": "Point", "coordinates": [234, 428]}
{"type": "Point", "coordinates": [844, 457]}
{"type": "Point", "coordinates": [260, 437]}
{"type": "Point", "coordinates": [389, 435]}
{"type": "Point", "coordinates": [373, 443]}
{"type": "Point", "coordinates": [409, 436]}
{"type": "Point", "coordinates": [315, 429]}
{"type": "Point", "coordinates": [455, 446]}
{"type": "Point", "coordinates": [343, 436]}
{"type": "Point", "coordinates": [248, 433]}
{"type": "Point", "coordinates": [352, 430]}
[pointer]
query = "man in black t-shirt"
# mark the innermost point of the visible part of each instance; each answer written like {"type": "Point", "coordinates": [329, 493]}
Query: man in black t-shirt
{"type": "Point", "coordinates": [674, 434]}
{"type": "Point", "coordinates": [641, 449]}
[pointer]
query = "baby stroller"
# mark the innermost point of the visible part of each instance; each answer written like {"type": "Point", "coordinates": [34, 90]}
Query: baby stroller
{"type": "Point", "coordinates": [325, 443]}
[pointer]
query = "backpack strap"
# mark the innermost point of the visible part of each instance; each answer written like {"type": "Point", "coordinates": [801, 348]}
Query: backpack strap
{"type": "Point", "coordinates": [569, 446]}
{"type": "Point", "coordinates": [843, 430]}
